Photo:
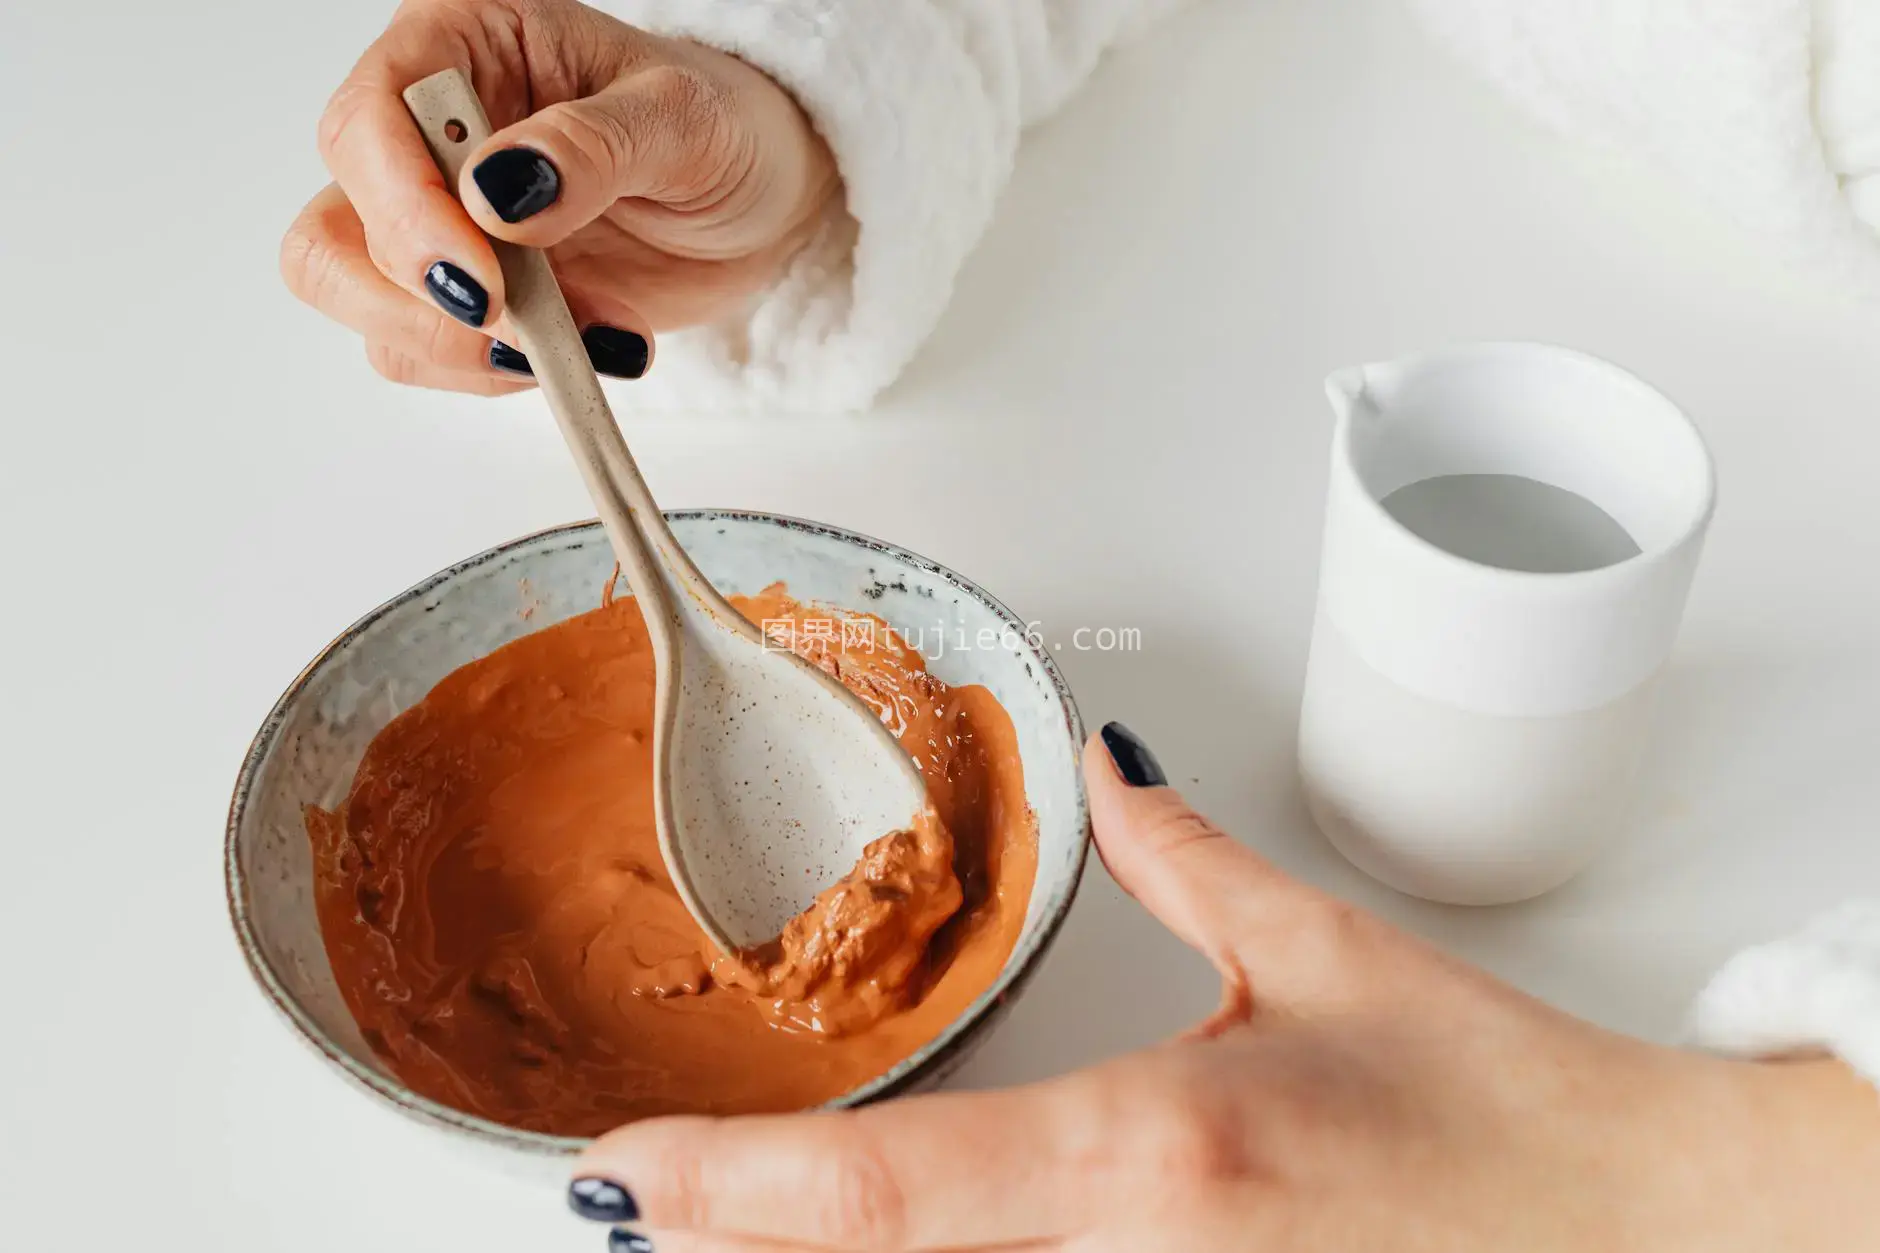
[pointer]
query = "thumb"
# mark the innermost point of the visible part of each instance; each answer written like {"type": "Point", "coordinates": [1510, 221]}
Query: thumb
{"type": "Point", "coordinates": [656, 134]}
{"type": "Point", "coordinates": [1274, 940]}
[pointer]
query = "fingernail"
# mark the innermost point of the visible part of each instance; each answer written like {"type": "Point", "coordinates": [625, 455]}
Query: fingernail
{"type": "Point", "coordinates": [1133, 759]}
{"type": "Point", "coordinates": [518, 182]}
{"type": "Point", "coordinates": [614, 351]}
{"type": "Point", "coordinates": [619, 1241]}
{"type": "Point", "coordinates": [509, 360]}
{"type": "Point", "coordinates": [457, 293]}
{"type": "Point", "coordinates": [602, 1200]}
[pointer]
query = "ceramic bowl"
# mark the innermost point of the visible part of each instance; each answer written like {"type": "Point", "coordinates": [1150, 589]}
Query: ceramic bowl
{"type": "Point", "coordinates": [307, 750]}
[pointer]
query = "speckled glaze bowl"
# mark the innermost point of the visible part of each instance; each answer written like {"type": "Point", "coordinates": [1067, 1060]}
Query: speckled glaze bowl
{"type": "Point", "coordinates": [307, 750]}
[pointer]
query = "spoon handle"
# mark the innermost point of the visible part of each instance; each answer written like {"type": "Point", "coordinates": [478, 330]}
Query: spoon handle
{"type": "Point", "coordinates": [447, 111]}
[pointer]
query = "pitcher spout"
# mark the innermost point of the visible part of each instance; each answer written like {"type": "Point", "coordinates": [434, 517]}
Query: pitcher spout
{"type": "Point", "coordinates": [1348, 390]}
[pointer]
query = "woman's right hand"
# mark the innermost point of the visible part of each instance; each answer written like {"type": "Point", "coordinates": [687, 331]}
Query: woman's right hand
{"type": "Point", "coordinates": [669, 182]}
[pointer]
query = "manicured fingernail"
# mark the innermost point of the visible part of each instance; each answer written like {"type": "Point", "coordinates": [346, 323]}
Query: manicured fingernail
{"type": "Point", "coordinates": [614, 351]}
{"type": "Point", "coordinates": [619, 1241]}
{"type": "Point", "coordinates": [602, 1200]}
{"type": "Point", "coordinates": [457, 293]}
{"type": "Point", "coordinates": [509, 360]}
{"type": "Point", "coordinates": [518, 182]}
{"type": "Point", "coordinates": [1133, 759]}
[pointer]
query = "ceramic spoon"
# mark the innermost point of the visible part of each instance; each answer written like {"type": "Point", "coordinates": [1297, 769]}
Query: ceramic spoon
{"type": "Point", "coordinates": [769, 776]}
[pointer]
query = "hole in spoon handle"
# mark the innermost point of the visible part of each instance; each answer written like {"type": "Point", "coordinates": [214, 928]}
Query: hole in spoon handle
{"type": "Point", "coordinates": [451, 118]}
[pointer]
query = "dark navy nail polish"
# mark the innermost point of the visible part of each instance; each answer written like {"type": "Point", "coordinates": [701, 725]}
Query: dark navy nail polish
{"type": "Point", "coordinates": [613, 351]}
{"type": "Point", "coordinates": [1133, 759]}
{"type": "Point", "coordinates": [602, 1200]}
{"type": "Point", "coordinates": [457, 293]}
{"type": "Point", "coordinates": [518, 182]}
{"type": "Point", "coordinates": [509, 360]}
{"type": "Point", "coordinates": [619, 1241]}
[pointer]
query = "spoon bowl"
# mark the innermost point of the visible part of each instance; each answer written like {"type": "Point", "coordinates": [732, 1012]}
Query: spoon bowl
{"type": "Point", "coordinates": [771, 793]}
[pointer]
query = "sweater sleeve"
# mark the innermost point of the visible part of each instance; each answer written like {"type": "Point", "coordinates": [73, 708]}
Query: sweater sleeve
{"type": "Point", "coordinates": [1770, 109]}
{"type": "Point", "coordinates": [922, 102]}
{"type": "Point", "coordinates": [1816, 991]}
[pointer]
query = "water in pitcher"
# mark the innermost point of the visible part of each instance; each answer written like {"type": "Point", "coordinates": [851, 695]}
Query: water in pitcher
{"type": "Point", "coordinates": [1511, 523]}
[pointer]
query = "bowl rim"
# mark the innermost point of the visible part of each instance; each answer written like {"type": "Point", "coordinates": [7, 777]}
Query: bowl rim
{"type": "Point", "coordinates": [963, 1030]}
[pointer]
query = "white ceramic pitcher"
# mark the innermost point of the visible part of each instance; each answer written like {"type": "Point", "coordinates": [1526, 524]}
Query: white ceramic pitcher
{"type": "Point", "coordinates": [1471, 734]}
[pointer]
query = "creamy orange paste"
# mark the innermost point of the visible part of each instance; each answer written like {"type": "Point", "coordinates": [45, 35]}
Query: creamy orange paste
{"type": "Point", "coordinates": [502, 927]}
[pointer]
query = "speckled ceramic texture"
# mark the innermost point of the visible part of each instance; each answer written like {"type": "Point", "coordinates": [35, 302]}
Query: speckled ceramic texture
{"type": "Point", "coordinates": [307, 750]}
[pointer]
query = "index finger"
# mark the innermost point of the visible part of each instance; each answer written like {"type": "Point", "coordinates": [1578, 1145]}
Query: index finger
{"type": "Point", "coordinates": [934, 1172]}
{"type": "Point", "coordinates": [417, 233]}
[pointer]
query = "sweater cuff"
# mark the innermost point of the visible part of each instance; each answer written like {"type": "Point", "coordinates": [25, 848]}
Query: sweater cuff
{"type": "Point", "coordinates": [1817, 991]}
{"type": "Point", "coordinates": [924, 133]}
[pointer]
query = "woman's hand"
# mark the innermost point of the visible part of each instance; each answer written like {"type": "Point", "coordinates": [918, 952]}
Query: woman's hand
{"type": "Point", "coordinates": [669, 181]}
{"type": "Point", "coordinates": [1357, 1092]}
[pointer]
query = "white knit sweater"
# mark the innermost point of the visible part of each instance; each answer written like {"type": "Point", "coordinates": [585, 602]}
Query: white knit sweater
{"type": "Point", "coordinates": [1770, 108]}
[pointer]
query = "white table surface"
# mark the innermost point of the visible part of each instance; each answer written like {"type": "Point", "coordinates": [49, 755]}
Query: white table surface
{"type": "Point", "coordinates": [1118, 424]}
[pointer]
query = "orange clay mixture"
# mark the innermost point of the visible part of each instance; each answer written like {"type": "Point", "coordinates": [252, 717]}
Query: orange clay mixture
{"type": "Point", "coordinates": [503, 929]}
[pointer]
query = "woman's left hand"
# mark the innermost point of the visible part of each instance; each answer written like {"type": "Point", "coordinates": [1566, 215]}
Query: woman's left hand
{"type": "Point", "coordinates": [1357, 1092]}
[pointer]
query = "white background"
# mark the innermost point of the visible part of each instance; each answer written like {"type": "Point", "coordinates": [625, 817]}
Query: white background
{"type": "Point", "coordinates": [1119, 424]}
